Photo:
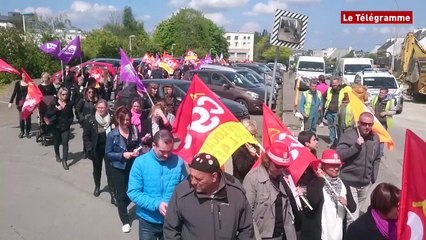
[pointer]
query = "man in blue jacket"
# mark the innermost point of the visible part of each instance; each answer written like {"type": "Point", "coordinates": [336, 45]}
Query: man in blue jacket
{"type": "Point", "coordinates": [152, 180]}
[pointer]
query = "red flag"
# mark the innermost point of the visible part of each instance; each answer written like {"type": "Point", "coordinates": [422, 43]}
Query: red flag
{"type": "Point", "coordinates": [96, 73]}
{"type": "Point", "coordinates": [5, 67]}
{"type": "Point", "coordinates": [274, 129]}
{"type": "Point", "coordinates": [33, 98]}
{"type": "Point", "coordinates": [204, 124]}
{"type": "Point", "coordinates": [190, 55]}
{"type": "Point", "coordinates": [412, 207]}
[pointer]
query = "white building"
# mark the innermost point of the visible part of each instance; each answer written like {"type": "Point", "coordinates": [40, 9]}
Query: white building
{"type": "Point", "coordinates": [240, 46]}
{"type": "Point", "coordinates": [69, 34]}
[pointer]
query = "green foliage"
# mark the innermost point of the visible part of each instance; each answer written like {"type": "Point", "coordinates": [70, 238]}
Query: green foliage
{"type": "Point", "coordinates": [283, 54]}
{"type": "Point", "coordinates": [21, 53]}
{"type": "Point", "coordinates": [101, 43]}
{"type": "Point", "coordinates": [260, 47]}
{"type": "Point", "coordinates": [189, 29]}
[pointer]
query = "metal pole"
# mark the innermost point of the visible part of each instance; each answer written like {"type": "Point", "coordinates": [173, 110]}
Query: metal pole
{"type": "Point", "coordinates": [23, 26]}
{"type": "Point", "coordinates": [130, 46]}
{"type": "Point", "coordinates": [273, 76]}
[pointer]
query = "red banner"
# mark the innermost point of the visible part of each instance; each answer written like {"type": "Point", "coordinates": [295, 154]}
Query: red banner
{"type": "Point", "coordinates": [412, 207]}
{"type": "Point", "coordinates": [33, 97]}
{"type": "Point", "coordinates": [190, 55]}
{"type": "Point", "coordinates": [5, 67]}
{"type": "Point", "coordinates": [204, 124]}
{"type": "Point", "coordinates": [274, 129]}
{"type": "Point", "coordinates": [168, 63]}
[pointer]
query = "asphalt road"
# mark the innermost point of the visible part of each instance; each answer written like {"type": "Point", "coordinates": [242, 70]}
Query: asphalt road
{"type": "Point", "coordinates": [40, 200]}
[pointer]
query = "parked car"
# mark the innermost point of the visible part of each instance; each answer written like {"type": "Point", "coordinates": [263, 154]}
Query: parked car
{"type": "Point", "coordinates": [181, 88]}
{"type": "Point", "coordinates": [234, 86]}
{"type": "Point", "coordinates": [114, 61]}
{"type": "Point", "coordinates": [376, 78]}
{"type": "Point", "coordinates": [90, 66]}
{"type": "Point", "coordinates": [262, 70]}
{"type": "Point", "coordinates": [280, 67]}
{"type": "Point", "coordinates": [257, 79]}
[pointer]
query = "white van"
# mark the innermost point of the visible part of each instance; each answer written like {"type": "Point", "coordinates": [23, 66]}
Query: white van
{"type": "Point", "coordinates": [308, 67]}
{"type": "Point", "coordinates": [347, 68]}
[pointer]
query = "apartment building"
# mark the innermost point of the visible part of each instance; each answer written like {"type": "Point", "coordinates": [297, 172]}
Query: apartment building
{"type": "Point", "coordinates": [240, 46]}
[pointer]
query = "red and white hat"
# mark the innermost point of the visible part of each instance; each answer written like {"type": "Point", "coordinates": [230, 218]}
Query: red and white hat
{"type": "Point", "coordinates": [330, 156]}
{"type": "Point", "coordinates": [280, 154]}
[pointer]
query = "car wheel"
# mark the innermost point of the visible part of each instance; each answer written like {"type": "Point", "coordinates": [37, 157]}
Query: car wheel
{"type": "Point", "coordinates": [242, 102]}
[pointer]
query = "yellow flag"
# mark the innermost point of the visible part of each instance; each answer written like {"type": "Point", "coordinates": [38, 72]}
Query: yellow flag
{"type": "Point", "coordinates": [359, 107]}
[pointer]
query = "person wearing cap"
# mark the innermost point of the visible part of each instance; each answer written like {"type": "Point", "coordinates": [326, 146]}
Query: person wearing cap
{"type": "Point", "coordinates": [153, 178]}
{"type": "Point", "coordinates": [359, 149]}
{"type": "Point", "coordinates": [327, 219]}
{"type": "Point", "coordinates": [210, 204]}
{"type": "Point", "coordinates": [268, 191]}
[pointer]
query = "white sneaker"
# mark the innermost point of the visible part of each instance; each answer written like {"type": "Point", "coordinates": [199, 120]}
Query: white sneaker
{"type": "Point", "coordinates": [126, 228]}
{"type": "Point", "coordinates": [321, 125]}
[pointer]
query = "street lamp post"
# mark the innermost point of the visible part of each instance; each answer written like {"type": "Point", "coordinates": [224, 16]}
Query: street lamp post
{"type": "Point", "coordinates": [23, 23]}
{"type": "Point", "coordinates": [171, 50]}
{"type": "Point", "coordinates": [130, 44]}
{"type": "Point", "coordinates": [210, 51]}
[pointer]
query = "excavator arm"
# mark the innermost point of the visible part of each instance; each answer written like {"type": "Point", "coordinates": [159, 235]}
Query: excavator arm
{"type": "Point", "coordinates": [413, 62]}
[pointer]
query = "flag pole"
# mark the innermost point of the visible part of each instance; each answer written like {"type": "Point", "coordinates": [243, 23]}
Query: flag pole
{"type": "Point", "coordinates": [152, 103]}
{"type": "Point", "coordinates": [81, 67]}
{"type": "Point", "coordinates": [337, 195]}
{"type": "Point", "coordinates": [62, 71]}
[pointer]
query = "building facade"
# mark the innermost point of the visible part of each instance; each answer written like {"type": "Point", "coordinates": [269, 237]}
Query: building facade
{"type": "Point", "coordinates": [240, 46]}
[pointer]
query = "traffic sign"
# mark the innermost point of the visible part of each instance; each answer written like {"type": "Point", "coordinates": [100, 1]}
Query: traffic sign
{"type": "Point", "coordinates": [289, 29]}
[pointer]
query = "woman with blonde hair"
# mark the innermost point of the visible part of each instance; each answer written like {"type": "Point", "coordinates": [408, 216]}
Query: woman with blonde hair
{"type": "Point", "coordinates": [246, 155]}
{"type": "Point", "coordinates": [46, 86]}
{"type": "Point", "coordinates": [60, 114]}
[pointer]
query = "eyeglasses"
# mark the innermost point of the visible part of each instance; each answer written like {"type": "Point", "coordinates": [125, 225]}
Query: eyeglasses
{"type": "Point", "coordinates": [154, 88]}
{"type": "Point", "coordinates": [279, 166]}
{"type": "Point", "coordinates": [64, 94]}
{"type": "Point", "coordinates": [366, 124]}
{"type": "Point", "coordinates": [90, 92]}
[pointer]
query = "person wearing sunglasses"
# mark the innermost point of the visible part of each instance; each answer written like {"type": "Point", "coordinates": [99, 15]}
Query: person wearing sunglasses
{"type": "Point", "coordinates": [359, 149]}
{"type": "Point", "coordinates": [59, 112]}
{"type": "Point", "coordinates": [269, 195]}
{"type": "Point", "coordinates": [152, 93]}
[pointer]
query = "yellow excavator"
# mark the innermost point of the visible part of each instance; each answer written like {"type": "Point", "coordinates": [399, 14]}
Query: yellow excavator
{"type": "Point", "coordinates": [413, 63]}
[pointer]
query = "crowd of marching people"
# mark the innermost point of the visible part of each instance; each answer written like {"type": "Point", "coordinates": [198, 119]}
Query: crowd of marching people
{"type": "Point", "coordinates": [200, 200]}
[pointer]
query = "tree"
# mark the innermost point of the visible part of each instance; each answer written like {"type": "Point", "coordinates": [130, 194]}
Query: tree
{"type": "Point", "coordinates": [189, 29]}
{"type": "Point", "coordinates": [101, 43]}
{"type": "Point", "coordinates": [283, 54]}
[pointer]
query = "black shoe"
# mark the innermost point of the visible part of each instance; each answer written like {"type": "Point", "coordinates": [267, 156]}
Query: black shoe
{"type": "Point", "coordinates": [113, 200]}
{"type": "Point", "coordinates": [28, 135]}
{"type": "Point", "coordinates": [64, 164]}
{"type": "Point", "coordinates": [21, 135]}
{"type": "Point", "coordinates": [96, 192]}
{"type": "Point", "coordinates": [58, 158]}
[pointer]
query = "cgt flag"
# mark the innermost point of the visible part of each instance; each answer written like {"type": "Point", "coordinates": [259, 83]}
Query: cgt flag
{"type": "Point", "coordinates": [204, 124]}
{"type": "Point", "coordinates": [128, 73]}
{"type": "Point", "coordinates": [358, 107]}
{"type": "Point", "coordinates": [274, 129]}
{"type": "Point", "coordinates": [33, 97]}
{"type": "Point", "coordinates": [412, 206]}
{"type": "Point", "coordinates": [5, 67]}
{"type": "Point", "coordinates": [70, 51]}
{"type": "Point", "coordinates": [52, 48]}
{"type": "Point", "coordinates": [168, 63]}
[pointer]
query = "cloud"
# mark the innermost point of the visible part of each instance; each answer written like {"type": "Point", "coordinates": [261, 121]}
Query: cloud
{"type": "Point", "coordinates": [143, 18]}
{"type": "Point", "coordinates": [272, 5]}
{"type": "Point", "coordinates": [208, 4]}
{"type": "Point", "coordinates": [346, 31]}
{"type": "Point", "coordinates": [269, 7]}
{"type": "Point", "coordinates": [250, 27]}
{"type": "Point", "coordinates": [361, 30]}
{"type": "Point", "coordinates": [177, 3]}
{"type": "Point", "coordinates": [217, 18]}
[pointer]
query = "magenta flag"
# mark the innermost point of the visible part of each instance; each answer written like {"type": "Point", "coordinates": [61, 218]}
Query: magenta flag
{"type": "Point", "coordinates": [70, 51]}
{"type": "Point", "coordinates": [128, 73]}
{"type": "Point", "coordinates": [52, 48]}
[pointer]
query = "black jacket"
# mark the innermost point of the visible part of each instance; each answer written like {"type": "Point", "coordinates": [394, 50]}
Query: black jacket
{"type": "Point", "coordinates": [84, 108]}
{"type": "Point", "coordinates": [90, 134]}
{"type": "Point", "coordinates": [311, 221]}
{"type": "Point", "coordinates": [62, 119]}
{"type": "Point", "coordinates": [192, 215]}
{"type": "Point", "coordinates": [364, 228]}
{"type": "Point", "coordinates": [19, 94]}
{"type": "Point", "coordinates": [147, 128]}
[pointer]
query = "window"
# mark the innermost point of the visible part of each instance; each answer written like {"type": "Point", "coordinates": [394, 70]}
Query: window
{"type": "Point", "coordinates": [228, 37]}
{"type": "Point", "coordinates": [236, 44]}
{"type": "Point", "coordinates": [244, 37]}
{"type": "Point", "coordinates": [204, 77]}
{"type": "Point", "coordinates": [218, 79]}
{"type": "Point", "coordinates": [244, 43]}
{"type": "Point", "coordinates": [248, 38]}
{"type": "Point", "coordinates": [379, 82]}
{"type": "Point", "coordinates": [236, 38]}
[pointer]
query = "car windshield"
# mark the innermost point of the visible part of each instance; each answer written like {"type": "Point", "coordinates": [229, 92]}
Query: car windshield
{"type": "Point", "coordinates": [264, 68]}
{"type": "Point", "coordinates": [249, 76]}
{"type": "Point", "coordinates": [311, 66]}
{"type": "Point", "coordinates": [352, 69]}
{"type": "Point", "coordinates": [379, 82]}
{"type": "Point", "coordinates": [239, 80]}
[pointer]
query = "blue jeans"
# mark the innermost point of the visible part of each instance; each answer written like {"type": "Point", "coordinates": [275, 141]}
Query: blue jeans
{"type": "Point", "coordinates": [331, 121]}
{"type": "Point", "coordinates": [150, 231]}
